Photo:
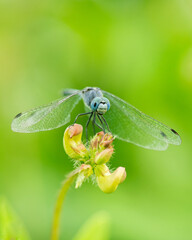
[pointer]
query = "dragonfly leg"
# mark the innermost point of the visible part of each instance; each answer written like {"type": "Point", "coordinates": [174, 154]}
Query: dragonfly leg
{"type": "Point", "coordinates": [94, 123]}
{"type": "Point", "coordinates": [87, 124]}
{"type": "Point", "coordinates": [101, 123]}
{"type": "Point", "coordinates": [106, 123]}
{"type": "Point", "coordinates": [81, 114]}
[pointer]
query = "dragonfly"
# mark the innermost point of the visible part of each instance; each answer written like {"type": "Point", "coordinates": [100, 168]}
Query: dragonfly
{"type": "Point", "coordinates": [107, 111]}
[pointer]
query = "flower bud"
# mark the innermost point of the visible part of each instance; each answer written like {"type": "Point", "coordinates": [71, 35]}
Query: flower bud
{"type": "Point", "coordinates": [84, 172]}
{"type": "Point", "coordinates": [96, 140]}
{"type": "Point", "coordinates": [72, 142]}
{"type": "Point", "coordinates": [108, 182]}
{"type": "Point", "coordinates": [86, 169]}
{"type": "Point", "coordinates": [103, 156]}
{"type": "Point", "coordinates": [106, 141]}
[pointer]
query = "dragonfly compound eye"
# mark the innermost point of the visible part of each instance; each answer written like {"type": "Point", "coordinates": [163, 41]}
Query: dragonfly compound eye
{"type": "Point", "coordinates": [95, 103]}
{"type": "Point", "coordinates": [107, 102]}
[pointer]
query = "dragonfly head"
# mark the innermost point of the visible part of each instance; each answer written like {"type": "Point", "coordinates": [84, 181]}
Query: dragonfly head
{"type": "Point", "coordinates": [100, 105]}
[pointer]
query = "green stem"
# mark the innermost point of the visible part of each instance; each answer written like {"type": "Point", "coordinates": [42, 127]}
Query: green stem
{"type": "Point", "coordinates": [57, 213]}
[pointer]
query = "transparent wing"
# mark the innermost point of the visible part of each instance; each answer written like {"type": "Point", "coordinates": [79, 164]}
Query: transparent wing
{"type": "Point", "coordinates": [53, 115]}
{"type": "Point", "coordinates": [129, 124]}
{"type": "Point", "coordinates": [68, 91]}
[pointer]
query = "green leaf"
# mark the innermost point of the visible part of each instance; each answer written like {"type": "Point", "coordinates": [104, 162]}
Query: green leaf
{"type": "Point", "coordinates": [11, 227]}
{"type": "Point", "coordinates": [96, 228]}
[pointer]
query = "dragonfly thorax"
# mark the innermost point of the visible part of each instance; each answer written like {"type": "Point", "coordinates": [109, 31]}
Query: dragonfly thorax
{"type": "Point", "coordinates": [100, 105]}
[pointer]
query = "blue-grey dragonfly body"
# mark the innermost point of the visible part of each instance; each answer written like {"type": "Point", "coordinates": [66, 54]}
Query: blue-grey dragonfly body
{"type": "Point", "coordinates": [125, 121]}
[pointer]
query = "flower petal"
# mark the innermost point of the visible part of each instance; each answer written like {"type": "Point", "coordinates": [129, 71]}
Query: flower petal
{"type": "Point", "coordinates": [103, 156]}
{"type": "Point", "coordinates": [72, 142]}
{"type": "Point", "coordinates": [108, 182]}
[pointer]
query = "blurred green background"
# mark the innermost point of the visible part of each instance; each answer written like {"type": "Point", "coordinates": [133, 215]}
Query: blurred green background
{"type": "Point", "coordinates": [138, 50]}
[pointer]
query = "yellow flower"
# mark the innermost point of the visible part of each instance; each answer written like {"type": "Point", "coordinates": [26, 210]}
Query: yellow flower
{"type": "Point", "coordinates": [93, 158]}
{"type": "Point", "coordinates": [72, 142]}
{"type": "Point", "coordinates": [108, 182]}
